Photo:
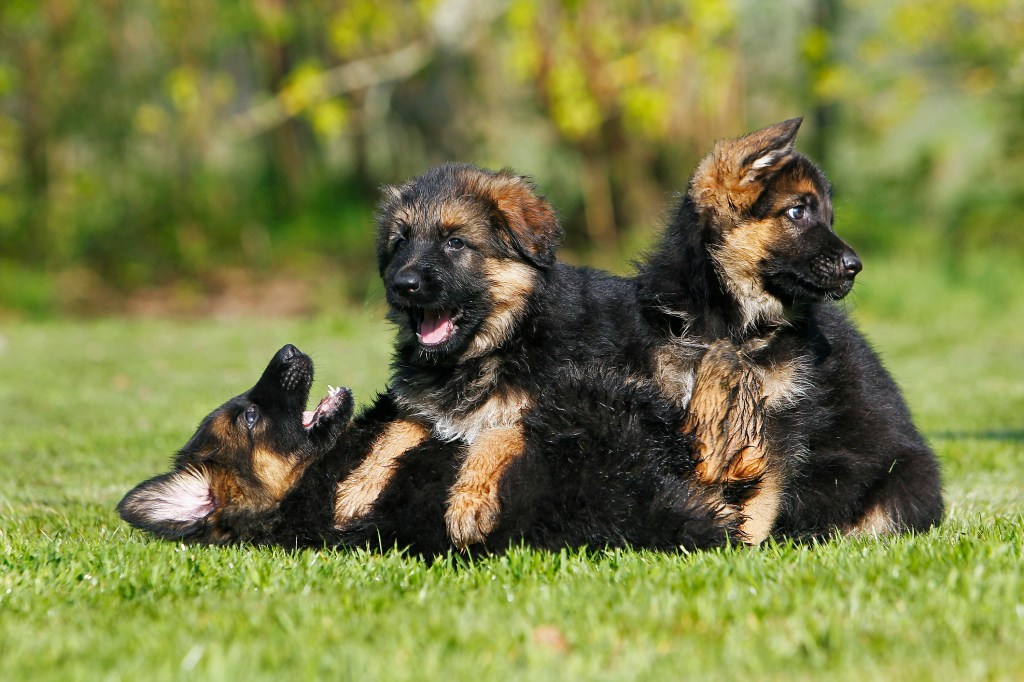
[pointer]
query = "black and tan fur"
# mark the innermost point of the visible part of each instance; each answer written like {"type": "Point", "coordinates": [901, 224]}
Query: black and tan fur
{"type": "Point", "coordinates": [245, 457]}
{"type": "Point", "coordinates": [486, 318]}
{"type": "Point", "coordinates": [791, 412]}
{"type": "Point", "coordinates": [521, 325]}
{"type": "Point", "coordinates": [750, 267]}
{"type": "Point", "coordinates": [607, 473]}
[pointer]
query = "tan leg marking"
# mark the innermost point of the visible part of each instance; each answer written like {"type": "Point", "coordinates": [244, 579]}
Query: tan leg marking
{"type": "Point", "coordinates": [761, 511]}
{"type": "Point", "coordinates": [473, 504]}
{"type": "Point", "coordinates": [726, 418]}
{"type": "Point", "coordinates": [357, 493]}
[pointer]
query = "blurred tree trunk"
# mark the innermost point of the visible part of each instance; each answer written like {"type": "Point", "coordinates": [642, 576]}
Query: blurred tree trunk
{"type": "Point", "coordinates": [360, 135]}
{"type": "Point", "coordinates": [825, 26]}
{"type": "Point", "coordinates": [598, 202]}
{"type": "Point", "coordinates": [596, 185]}
{"type": "Point", "coordinates": [287, 141]}
{"type": "Point", "coordinates": [34, 151]}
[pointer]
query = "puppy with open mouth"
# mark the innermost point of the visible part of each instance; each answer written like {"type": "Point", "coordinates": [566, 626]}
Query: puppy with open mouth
{"type": "Point", "coordinates": [227, 482]}
{"type": "Point", "coordinates": [500, 401]}
{"type": "Point", "coordinates": [261, 470]}
{"type": "Point", "coordinates": [485, 319]}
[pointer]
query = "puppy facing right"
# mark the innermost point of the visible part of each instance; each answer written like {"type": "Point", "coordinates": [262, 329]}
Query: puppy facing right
{"type": "Point", "coordinates": [750, 268]}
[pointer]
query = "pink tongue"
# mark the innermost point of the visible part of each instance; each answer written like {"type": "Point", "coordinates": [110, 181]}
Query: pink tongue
{"type": "Point", "coordinates": [436, 327]}
{"type": "Point", "coordinates": [307, 417]}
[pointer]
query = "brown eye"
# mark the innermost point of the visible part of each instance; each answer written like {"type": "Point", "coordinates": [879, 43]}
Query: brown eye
{"type": "Point", "coordinates": [251, 416]}
{"type": "Point", "coordinates": [797, 213]}
{"type": "Point", "coordinates": [455, 244]}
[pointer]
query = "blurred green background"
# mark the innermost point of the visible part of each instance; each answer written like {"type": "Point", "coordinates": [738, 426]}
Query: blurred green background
{"type": "Point", "coordinates": [156, 155]}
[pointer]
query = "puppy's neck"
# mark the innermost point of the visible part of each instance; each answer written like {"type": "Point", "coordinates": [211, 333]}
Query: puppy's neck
{"type": "Point", "coordinates": [754, 307]}
{"type": "Point", "coordinates": [463, 407]}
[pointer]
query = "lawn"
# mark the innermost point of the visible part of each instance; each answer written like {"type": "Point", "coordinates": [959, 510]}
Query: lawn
{"type": "Point", "coordinates": [91, 408]}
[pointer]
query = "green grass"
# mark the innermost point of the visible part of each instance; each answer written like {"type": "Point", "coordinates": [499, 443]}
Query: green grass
{"type": "Point", "coordinates": [91, 408]}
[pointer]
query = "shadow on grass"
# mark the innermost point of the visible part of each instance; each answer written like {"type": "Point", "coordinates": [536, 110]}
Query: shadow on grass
{"type": "Point", "coordinates": [1006, 435]}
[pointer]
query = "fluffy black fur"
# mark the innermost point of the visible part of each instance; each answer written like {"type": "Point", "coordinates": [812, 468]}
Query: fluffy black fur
{"type": "Point", "coordinates": [487, 320]}
{"type": "Point", "coordinates": [843, 438]}
{"type": "Point", "coordinates": [570, 315]}
{"type": "Point", "coordinates": [606, 474]}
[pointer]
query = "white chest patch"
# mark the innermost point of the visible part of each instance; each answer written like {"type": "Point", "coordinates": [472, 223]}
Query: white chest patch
{"type": "Point", "coordinates": [499, 411]}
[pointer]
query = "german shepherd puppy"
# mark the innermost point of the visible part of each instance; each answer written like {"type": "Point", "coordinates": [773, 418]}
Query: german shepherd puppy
{"type": "Point", "coordinates": [228, 480]}
{"type": "Point", "coordinates": [486, 319]}
{"type": "Point", "coordinates": [741, 293]}
{"type": "Point", "coordinates": [607, 473]}
{"type": "Point", "coordinates": [729, 315]}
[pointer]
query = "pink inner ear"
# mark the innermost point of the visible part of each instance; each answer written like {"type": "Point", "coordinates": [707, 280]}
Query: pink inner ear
{"type": "Point", "coordinates": [185, 498]}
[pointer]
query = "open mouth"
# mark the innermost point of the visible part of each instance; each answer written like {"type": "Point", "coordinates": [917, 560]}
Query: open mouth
{"type": "Point", "coordinates": [329, 405]}
{"type": "Point", "coordinates": [435, 327]}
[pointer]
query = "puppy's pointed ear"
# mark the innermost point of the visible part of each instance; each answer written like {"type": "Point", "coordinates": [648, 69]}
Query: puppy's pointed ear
{"type": "Point", "coordinates": [528, 220]}
{"type": "Point", "coordinates": [766, 150]}
{"type": "Point", "coordinates": [174, 505]}
{"type": "Point", "coordinates": [731, 177]}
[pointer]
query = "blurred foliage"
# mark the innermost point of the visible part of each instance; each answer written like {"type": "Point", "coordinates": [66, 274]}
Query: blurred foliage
{"type": "Point", "coordinates": [155, 141]}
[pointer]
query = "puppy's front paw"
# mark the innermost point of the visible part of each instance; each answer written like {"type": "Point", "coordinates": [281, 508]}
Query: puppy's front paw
{"type": "Point", "coordinates": [472, 515]}
{"type": "Point", "coordinates": [337, 404]}
{"type": "Point", "coordinates": [330, 418]}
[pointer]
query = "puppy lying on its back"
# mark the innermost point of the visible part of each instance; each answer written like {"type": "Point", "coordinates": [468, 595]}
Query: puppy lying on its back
{"type": "Point", "coordinates": [228, 481]}
{"type": "Point", "coordinates": [604, 464]}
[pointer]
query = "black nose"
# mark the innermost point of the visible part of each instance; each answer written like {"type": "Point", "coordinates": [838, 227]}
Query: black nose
{"type": "Point", "coordinates": [406, 281]}
{"type": "Point", "coordinates": [288, 351]}
{"type": "Point", "coordinates": [850, 264]}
